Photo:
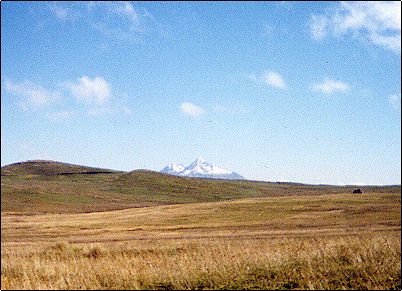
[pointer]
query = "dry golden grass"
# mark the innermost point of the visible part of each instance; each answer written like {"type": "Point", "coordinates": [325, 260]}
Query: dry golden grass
{"type": "Point", "coordinates": [359, 262]}
{"type": "Point", "coordinates": [305, 242]}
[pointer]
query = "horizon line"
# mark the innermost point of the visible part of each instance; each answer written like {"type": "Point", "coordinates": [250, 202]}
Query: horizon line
{"type": "Point", "coordinates": [249, 180]}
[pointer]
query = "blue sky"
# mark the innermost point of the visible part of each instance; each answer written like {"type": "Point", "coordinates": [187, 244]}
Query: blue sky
{"type": "Point", "coordinates": [277, 91]}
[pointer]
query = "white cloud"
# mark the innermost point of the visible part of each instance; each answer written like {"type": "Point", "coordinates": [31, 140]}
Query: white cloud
{"type": "Point", "coordinates": [285, 4]}
{"type": "Point", "coordinates": [395, 101]}
{"type": "Point", "coordinates": [34, 96]}
{"type": "Point", "coordinates": [318, 26]}
{"type": "Point", "coordinates": [274, 79]}
{"type": "Point", "coordinates": [132, 21]}
{"type": "Point", "coordinates": [116, 19]}
{"type": "Point", "coordinates": [89, 91]}
{"type": "Point", "coordinates": [94, 94]}
{"type": "Point", "coordinates": [330, 86]}
{"type": "Point", "coordinates": [126, 9]}
{"type": "Point", "coordinates": [191, 109]}
{"type": "Point", "coordinates": [378, 22]}
{"type": "Point", "coordinates": [60, 12]}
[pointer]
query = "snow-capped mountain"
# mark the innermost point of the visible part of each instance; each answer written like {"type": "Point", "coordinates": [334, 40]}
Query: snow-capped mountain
{"type": "Point", "coordinates": [173, 169]}
{"type": "Point", "coordinates": [200, 169]}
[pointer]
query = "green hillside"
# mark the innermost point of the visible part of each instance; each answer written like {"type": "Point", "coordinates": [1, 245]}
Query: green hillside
{"type": "Point", "coordinates": [51, 187]}
{"type": "Point", "coordinates": [47, 168]}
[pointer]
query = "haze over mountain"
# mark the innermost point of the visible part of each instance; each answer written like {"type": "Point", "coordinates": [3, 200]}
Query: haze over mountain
{"type": "Point", "coordinates": [200, 169]}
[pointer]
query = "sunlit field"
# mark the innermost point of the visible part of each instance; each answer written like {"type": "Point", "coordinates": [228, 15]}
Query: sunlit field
{"type": "Point", "coordinates": [339, 241]}
{"type": "Point", "coordinates": [210, 145]}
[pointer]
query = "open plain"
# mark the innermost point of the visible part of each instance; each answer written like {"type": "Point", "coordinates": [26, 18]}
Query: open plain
{"type": "Point", "coordinates": [156, 145]}
{"type": "Point", "coordinates": [253, 235]}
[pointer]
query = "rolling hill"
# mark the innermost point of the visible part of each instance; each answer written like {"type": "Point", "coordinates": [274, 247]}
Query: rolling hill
{"type": "Point", "coordinates": [149, 230]}
{"type": "Point", "coordinates": [48, 168]}
{"type": "Point", "coordinates": [52, 187]}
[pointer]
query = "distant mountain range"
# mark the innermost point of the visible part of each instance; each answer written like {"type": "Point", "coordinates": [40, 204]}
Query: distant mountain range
{"type": "Point", "coordinates": [200, 169]}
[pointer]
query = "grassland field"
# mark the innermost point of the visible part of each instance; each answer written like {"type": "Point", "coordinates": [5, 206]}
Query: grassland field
{"type": "Point", "coordinates": [144, 230]}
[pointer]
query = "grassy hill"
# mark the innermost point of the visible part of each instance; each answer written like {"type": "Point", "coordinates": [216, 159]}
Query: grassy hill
{"type": "Point", "coordinates": [194, 233]}
{"type": "Point", "coordinates": [48, 168]}
{"type": "Point", "coordinates": [51, 187]}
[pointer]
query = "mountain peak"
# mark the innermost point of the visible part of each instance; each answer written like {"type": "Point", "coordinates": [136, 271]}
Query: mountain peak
{"type": "Point", "coordinates": [200, 168]}
{"type": "Point", "coordinates": [200, 160]}
{"type": "Point", "coordinates": [173, 168]}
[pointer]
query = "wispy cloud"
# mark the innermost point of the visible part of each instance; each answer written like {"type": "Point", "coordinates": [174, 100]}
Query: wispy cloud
{"type": "Point", "coordinates": [378, 22]}
{"type": "Point", "coordinates": [126, 9]}
{"type": "Point", "coordinates": [318, 26]}
{"type": "Point", "coordinates": [274, 79]}
{"type": "Point", "coordinates": [89, 90]}
{"type": "Point", "coordinates": [395, 101]}
{"type": "Point", "coordinates": [285, 4]}
{"type": "Point", "coordinates": [92, 95]}
{"type": "Point", "coordinates": [270, 78]}
{"type": "Point", "coordinates": [96, 94]}
{"type": "Point", "coordinates": [124, 21]}
{"type": "Point", "coordinates": [329, 86]}
{"type": "Point", "coordinates": [59, 11]}
{"type": "Point", "coordinates": [117, 19]}
{"type": "Point", "coordinates": [191, 109]}
{"type": "Point", "coordinates": [33, 96]}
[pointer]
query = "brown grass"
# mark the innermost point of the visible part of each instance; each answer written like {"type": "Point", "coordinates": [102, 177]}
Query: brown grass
{"type": "Point", "coordinates": [323, 263]}
{"type": "Point", "coordinates": [305, 242]}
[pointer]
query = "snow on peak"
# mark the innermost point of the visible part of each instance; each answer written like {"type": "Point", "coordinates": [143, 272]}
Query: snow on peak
{"type": "Point", "coordinates": [200, 168]}
{"type": "Point", "coordinates": [198, 162]}
{"type": "Point", "coordinates": [173, 168]}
